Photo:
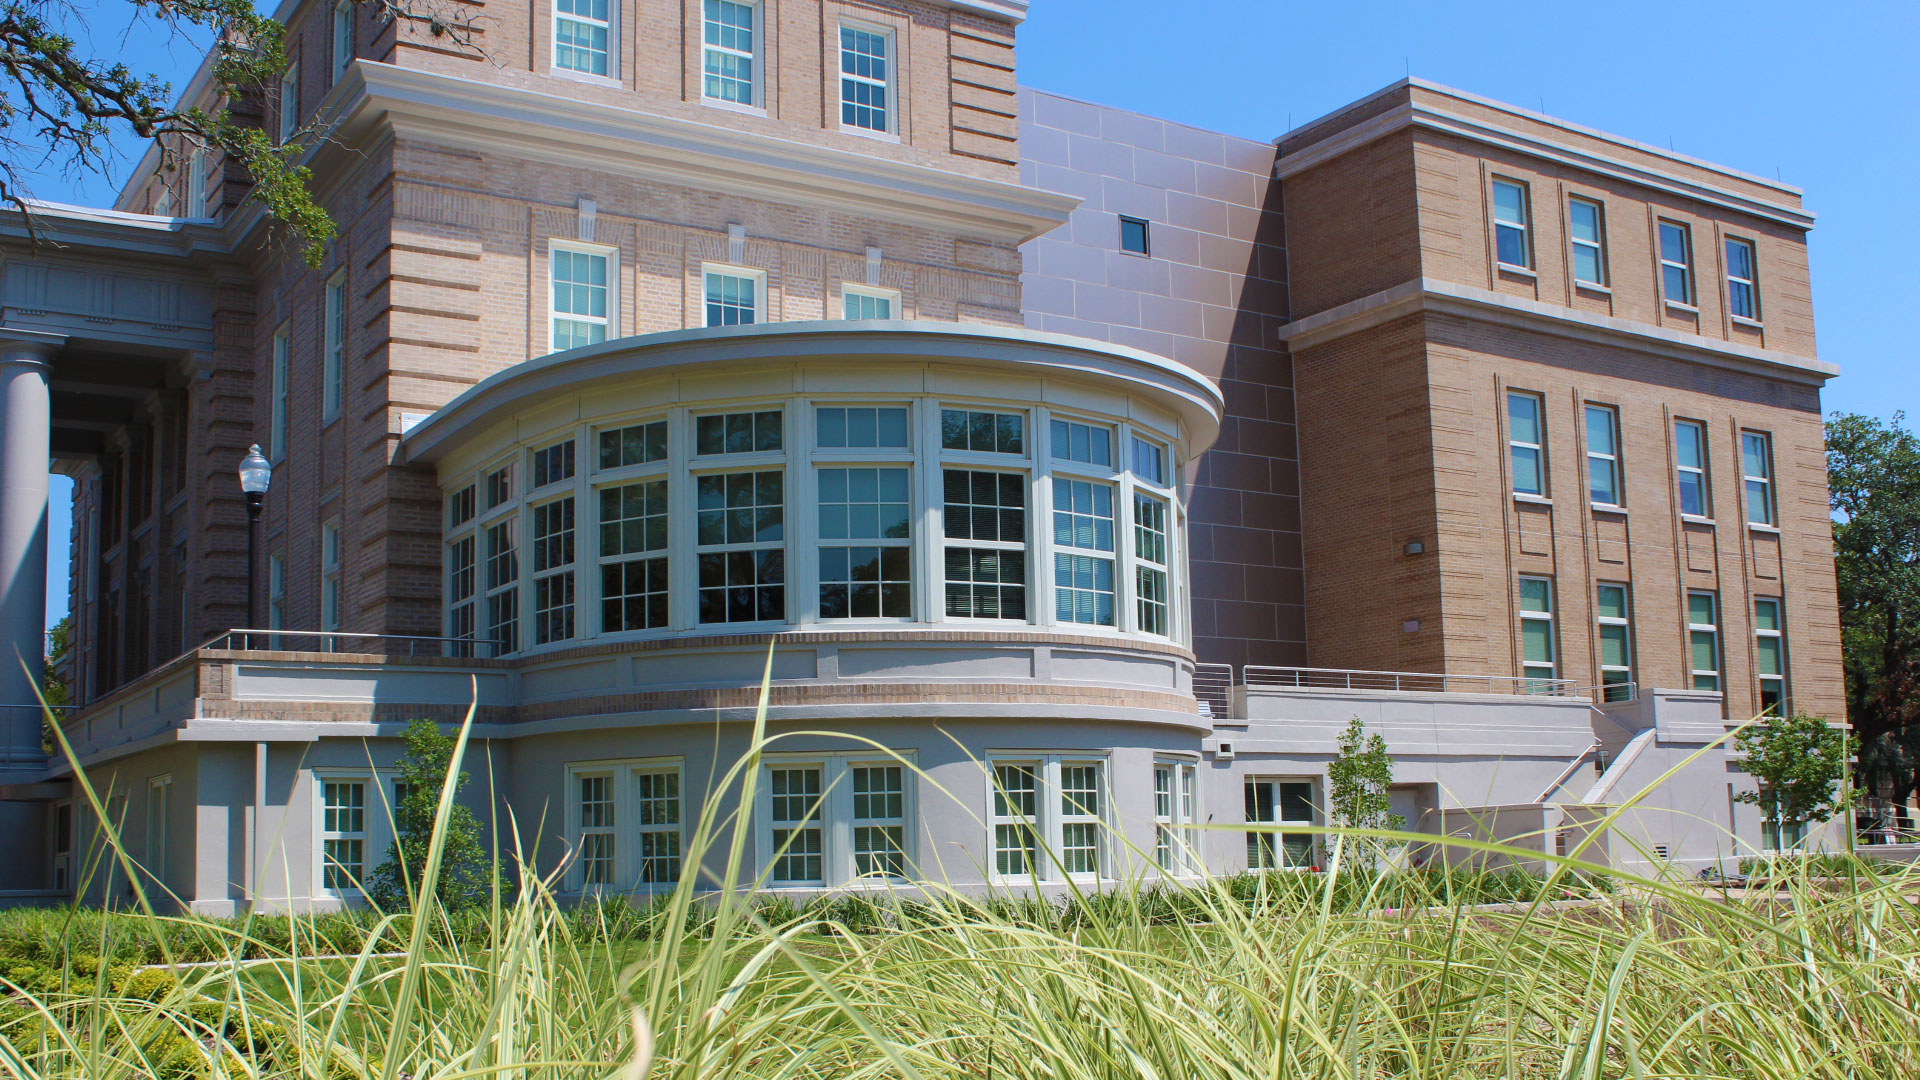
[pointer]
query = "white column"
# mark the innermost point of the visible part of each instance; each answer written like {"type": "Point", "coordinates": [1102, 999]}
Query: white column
{"type": "Point", "coordinates": [25, 449]}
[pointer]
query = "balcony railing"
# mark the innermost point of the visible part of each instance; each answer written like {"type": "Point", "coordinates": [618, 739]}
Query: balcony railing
{"type": "Point", "coordinates": [1422, 682]}
{"type": "Point", "coordinates": [1213, 688]}
{"type": "Point", "coordinates": [336, 641]}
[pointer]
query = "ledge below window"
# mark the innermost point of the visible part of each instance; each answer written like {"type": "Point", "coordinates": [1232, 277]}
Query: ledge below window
{"type": "Point", "coordinates": [1536, 500]}
{"type": "Point", "coordinates": [1521, 271]}
{"type": "Point", "coordinates": [1763, 527]}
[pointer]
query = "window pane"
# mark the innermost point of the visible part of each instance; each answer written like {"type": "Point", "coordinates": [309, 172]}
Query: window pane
{"type": "Point", "coordinates": [1613, 646]}
{"type": "Point", "coordinates": [1536, 641]}
{"type": "Point", "coordinates": [1766, 615]}
{"type": "Point", "coordinates": [1612, 603]}
{"type": "Point", "coordinates": [1584, 221]}
{"type": "Point", "coordinates": [1534, 594]}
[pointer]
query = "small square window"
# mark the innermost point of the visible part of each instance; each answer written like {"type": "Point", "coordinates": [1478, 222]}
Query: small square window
{"type": "Point", "coordinates": [1133, 236]}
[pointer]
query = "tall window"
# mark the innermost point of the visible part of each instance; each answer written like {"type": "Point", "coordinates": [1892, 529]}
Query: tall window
{"type": "Point", "coordinates": [1150, 569]}
{"type": "Point", "coordinates": [158, 790]}
{"type": "Point", "coordinates": [1510, 223]}
{"type": "Point", "coordinates": [343, 835]}
{"type": "Point", "coordinates": [1083, 568]}
{"type": "Point", "coordinates": [581, 31]}
{"type": "Point", "coordinates": [658, 807]}
{"type": "Point", "coordinates": [342, 38]}
{"type": "Point", "coordinates": [1603, 456]}
{"type": "Point", "coordinates": [276, 593]}
{"type": "Point", "coordinates": [503, 587]}
{"type": "Point", "coordinates": [460, 592]}
{"type": "Point", "coordinates": [1756, 466]}
{"type": "Point", "coordinates": [872, 578]}
{"type": "Point", "coordinates": [1173, 816]}
{"type": "Point", "coordinates": [985, 522]}
{"type": "Point", "coordinates": [334, 374]}
{"type": "Point", "coordinates": [581, 297]}
{"type": "Point", "coordinates": [1676, 263]}
{"type": "Point", "coordinates": [864, 79]}
{"type": "Point", "coordinates": [1743, 281]}
{"type": "Point", "coordinates": [1279, 802]}
{"type": "Point", "coordinates": [331, 582]}
{"type": "Point", "coordinates": [728, 53]}
{"type": "Point", "coordinates": [1770, 654]}
{"type": "Point", "coordinates": [1080, 818]}
{"type": "Point", "coordinates": [277, 428]}
{"type": "Point", "coordinates": [197, 183]}
{"type": "Point", "coordinates": [740, 522]}
{"type": "Point", "coordinates": [797, 826]}
{"type": "Point", "coordinates": [1614, 621]}
{"type": "Point", "coordinates": [879, 821]}
{"type": "Point", "coordinates": [732, 299]}
{"type": "Point", "coordinates": [1526, 442]}
{"type": "Point", "coordinates": [1586, 234]}
{"type": "Point", "coordinates": [1016, 814]}
{"type": "Point", "coordinates": [633, 578]}
{"type": "Point", "coordinates": [1690, 466]}
{"type": "Point", "coordinates": [1536, 633]}
{"type": "Point", "coordinates": [553, 582]}
{"type": "Point", "coordinates": [863, 303]}
{"type": "Point", "coordinates": [1703, 640]}
{"type": "Point", "coordinates": [290, 101]}
{"type": "Point", "coordinates": [597, 838]}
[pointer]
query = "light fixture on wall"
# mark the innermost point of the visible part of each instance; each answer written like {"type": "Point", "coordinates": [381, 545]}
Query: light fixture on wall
{"type": "Point", "coordinates": [256, 475]}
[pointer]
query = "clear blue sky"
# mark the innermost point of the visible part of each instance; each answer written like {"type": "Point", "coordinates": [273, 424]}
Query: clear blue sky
{"type": "Point", "coordinates": [1811, 93]}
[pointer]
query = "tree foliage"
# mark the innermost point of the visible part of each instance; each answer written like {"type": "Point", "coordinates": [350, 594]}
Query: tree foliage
{"type": "Point", "coordinates": [1799, 761]}
{"type": "Point", "coordinates": [1357, 781]}
{"type": "Point", "coordinates": [1873, 475]}
{"type": "Point", "coordinates": [466, 874]}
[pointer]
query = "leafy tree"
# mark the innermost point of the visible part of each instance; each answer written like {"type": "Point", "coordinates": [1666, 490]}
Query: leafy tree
{"type": "Point", "coordinates": [58, 639]}
{"type": "Point", "coordinates": [1799, 761]}
{"type": "Point", "coordinates": [465, 872]}
{"type": "Point", "coordinates": [1357, 782]}
{"type": "Point", "coordinates": [1873, 474]}
{"type": "Point", "coordinates": [61, 106]}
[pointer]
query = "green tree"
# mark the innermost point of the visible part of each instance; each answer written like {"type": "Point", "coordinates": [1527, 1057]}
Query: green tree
{"type": "Point", "coordinates": [466, 875]}
{"type": "Point", "coordinates": [58, 639]}
{"type": "Point", "coordinates": [1799, 762]}
{"type": "Point", "coordinates": [1357, 782]}
{"type": "Point", "coordinates": [1873, 476]}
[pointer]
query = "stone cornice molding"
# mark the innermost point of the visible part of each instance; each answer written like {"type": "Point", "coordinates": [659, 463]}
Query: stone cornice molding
{"type": "Point", "coordinates": [1431, 295]}
{"type": "Point", "coordinates": [1432, 116]}
{"type": "Point", "coordinates": [452, 111]}
{"type": "Point", "coordinates": [63, 227]}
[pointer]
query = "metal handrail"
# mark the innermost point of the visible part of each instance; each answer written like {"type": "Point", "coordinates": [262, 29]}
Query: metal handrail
{"type": "Point", "coordinates": [1311, 678]}
{"type": "Point", "coordinates": [241, 640]}
{"type": "Point", "coordinates": [1213, 689]}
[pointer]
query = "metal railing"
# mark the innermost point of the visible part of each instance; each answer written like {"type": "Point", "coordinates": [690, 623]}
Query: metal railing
{"type": "Point", "coordinates": [337, 641]}
{"type": "Point", "coordinates": [1213, 688]}
{"type": "Point", "coordinates": [1427, 682]}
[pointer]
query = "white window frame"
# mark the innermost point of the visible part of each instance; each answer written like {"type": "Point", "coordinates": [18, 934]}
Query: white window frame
{"type": "Point", "coordinates": [1735, 282]}
{"type": "Point", "coordinates": [1777, 634]}
{"type": "Point", "coordinates": [1176, 850]}
{"type": "Point", "coordinates": [343, 43]}
{"type": "Point", "coordinates": [610, 25]}
{"type": "Point", "coordinates": [1523, 226]}
{"type": "Point", "coordinates": [754, 57]}
{"type": "Point", "coordinates": [1516, 445]}
{"type": "Point", "coordinates": [1612, 675]}
{"type": "Point", "coordinates": [610, 322]}
{"type": "Point", "coordinates": [159, 796]}
{"type": "Point", "coordinates": [1698, 473]}
{"type": "Point", "coordinates": [1597, 245]}
{"type": "Point", "coordinates": [1145, 568]}
{"type": "Point", "coordinates": [1532, 671]}
{"type": "Point", "coordinates": [890, 109]}
{"type": "Point", "coordinates": [562, 574]}
{"type": "Point", "coordinates": [332, 559]}
{"type": "Point", "coordinates": [1048, 820]}
{"type": "Point", "coordinates": [290, 101]}
{"type": "Point", "coordinates": [1608, 459]}
{"type": "Point", "coordinates": [280, 412]}
{"type": "Point", "coordinates": [1695, 629]}
{"type": "Point", "coordinates": [834, 818]}
{"type": "Point", "coordinates": [1267, 850]}
{"type": "Point", "coordinates": [891, 297]}
{"type": "Point", "coordinates": [1757, 489]}
{"type": "Point", "coordinates": [376, 832]}
{"type": "Point", "coordinates": [618, 559]}
{"type": "Point", "coordinates": [836, 459]}
{"type": "Point", "coordinates": [197, 179]}
{"type": "Point", "coordinates": [333, 389]}
{"type": "Point", "coordinates": [1682, 265]}
{"type": "Point", "coordinates": [504, 592]}
{"type": "Point", "coordinates": [710, 271]}
{"type": "Point", "coordinates": [463, 611]}
{"type": "Point", "coordinates": [629, 829]}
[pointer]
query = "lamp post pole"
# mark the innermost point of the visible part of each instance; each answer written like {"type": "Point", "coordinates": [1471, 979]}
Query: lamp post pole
{"type": "Point", "coordinates": [256, 475]}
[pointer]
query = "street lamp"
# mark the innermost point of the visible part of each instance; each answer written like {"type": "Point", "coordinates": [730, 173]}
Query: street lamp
{"type": "Point", "coordinates": [256, 475]}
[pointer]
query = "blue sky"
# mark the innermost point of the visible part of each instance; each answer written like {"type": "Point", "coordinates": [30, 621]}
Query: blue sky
{"type": "Point", "coordinates": [1813, 94]}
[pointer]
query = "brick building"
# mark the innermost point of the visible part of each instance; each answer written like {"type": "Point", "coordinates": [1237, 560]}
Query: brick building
{"type": "Point", "coordinates": [1055, 450]}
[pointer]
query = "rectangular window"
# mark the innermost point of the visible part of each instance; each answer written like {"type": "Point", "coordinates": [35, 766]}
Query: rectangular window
{"type": "Point", "coordinates": [342, 38]}
{"type": "Point", "coordinates": [1536, 633]}
{"type": "Point", "coordinates": [597, 838]}
{"type": "Point", "coordinates": [727, 54]}
{"type": "Point", "coordinates": [633, 583]}
{"type": "Point", "coordinates": [1690, 466]}
{"type": "Point", "coordinates": [1586, 233]}
{"type": "Point", "coordinates": [1614, 623]}
{"type": "Point", "coordinates": [581, 31]}
{"type": "Point", "coordinates": [1526, 442]}
{"type": "Point", "coordinates": [737, 433]}
{"type": "Point", "coordinates": [460, 591]}
{"type": "Point", "coordinates": [197, 183]}
{"type": "Point", "coordinates": [1510, 223]}
{"type": "Point", "coordinates": [872, 580]}
{"type": "Point", "coordinates": [552, 464]}
{"type": "Point", "coordinates": [460, 507]}
{"type": "Point", "coordinates": [1016, 810]}
{"type": "Point", "coordinates": [1173, 809]}
{"type": "Point", "coordinates": [277, 428]}
{"type": "Point", "coordinates": [581, 297]}
{"type": "Point", "coordinates": [879, 821]}
{"type": "Point", "coordinates": [1150, 462]}
{"type": "Point", "coordinates": [276, 593]}
{"type": "Point", "coordinates": [797, 827]}
{"type": "Point", "coordinates": [744, 515]}
{"type": "Point", "coordinates": [1080, 818]}
{"type": "Point", "coordinates": [859, 303]}
{"type": "Point", "coordinates": [334, 376]}
{"type": "Point", "coordinates": [983, 432]}
{"type": "Point", "coordinates": [503, 588]}
{"type": "Point", "coordinates": [861, 427]}
{"type": "Point", "coordinates": [732, 299]}
{"type": "Point", "coordinates": [1703, 640]}
{"type": "Point", "coordinates": [986, 576]}
{"type": "Point", "coordinates": [1743, 281]}
{"type": "Point", "coordinates": [1676, 263]}
{"type": "Point", "coordinates": [331, 581]}
{"type": "Point", "coordinates": [1085, 443]}
{"type": "Point", "coordinates": [343, 835]}
{"type": "Point", "coordinates": [553, 571]}
{"type": "Point", "coordinates": [640, 444]}
{"type": "Point", "coordinates": [658, 814]}
{"type": "Point", "coordinates": [864, 79]}
{"type": "Point", "coordinates": [1150, 564]}
{"type": "Point", "coordinates": [1756, 466]}
{"type": "Point", "coordinates": [290, 101]}
{"type": "Point", "coordinates": [1770, 655]}
{"type": "Point", "coordinates": [1133, 236]}
{"type": "Point", "coordinates": [1083, 583]}
{"type": "Point", "coordinates": [499, 485]}
{"type": "Point", "coordinates": [1280, 802]}
{"type": "Point", "coordinates": [158, 790]}
{"type": "Point", "coordinates": [1603, 456]}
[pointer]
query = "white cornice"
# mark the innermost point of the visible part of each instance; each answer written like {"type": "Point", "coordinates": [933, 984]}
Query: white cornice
{"type": "Point", "coordinates": [1430, 116]}
{"type": "Point", "coordinates": [1447, 298]}
{"type": "Point", "coordinates": [453, 111]}
{"type": "Point", "coordinates": [92, 229]}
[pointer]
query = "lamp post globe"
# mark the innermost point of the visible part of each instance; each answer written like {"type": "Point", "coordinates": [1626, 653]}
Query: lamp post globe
{"type": "Point", "coordinates": [256, 476]}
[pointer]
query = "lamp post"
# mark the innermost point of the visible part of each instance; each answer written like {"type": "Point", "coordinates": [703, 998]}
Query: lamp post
{"type": "Point", "coordinates": [256, 475]}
